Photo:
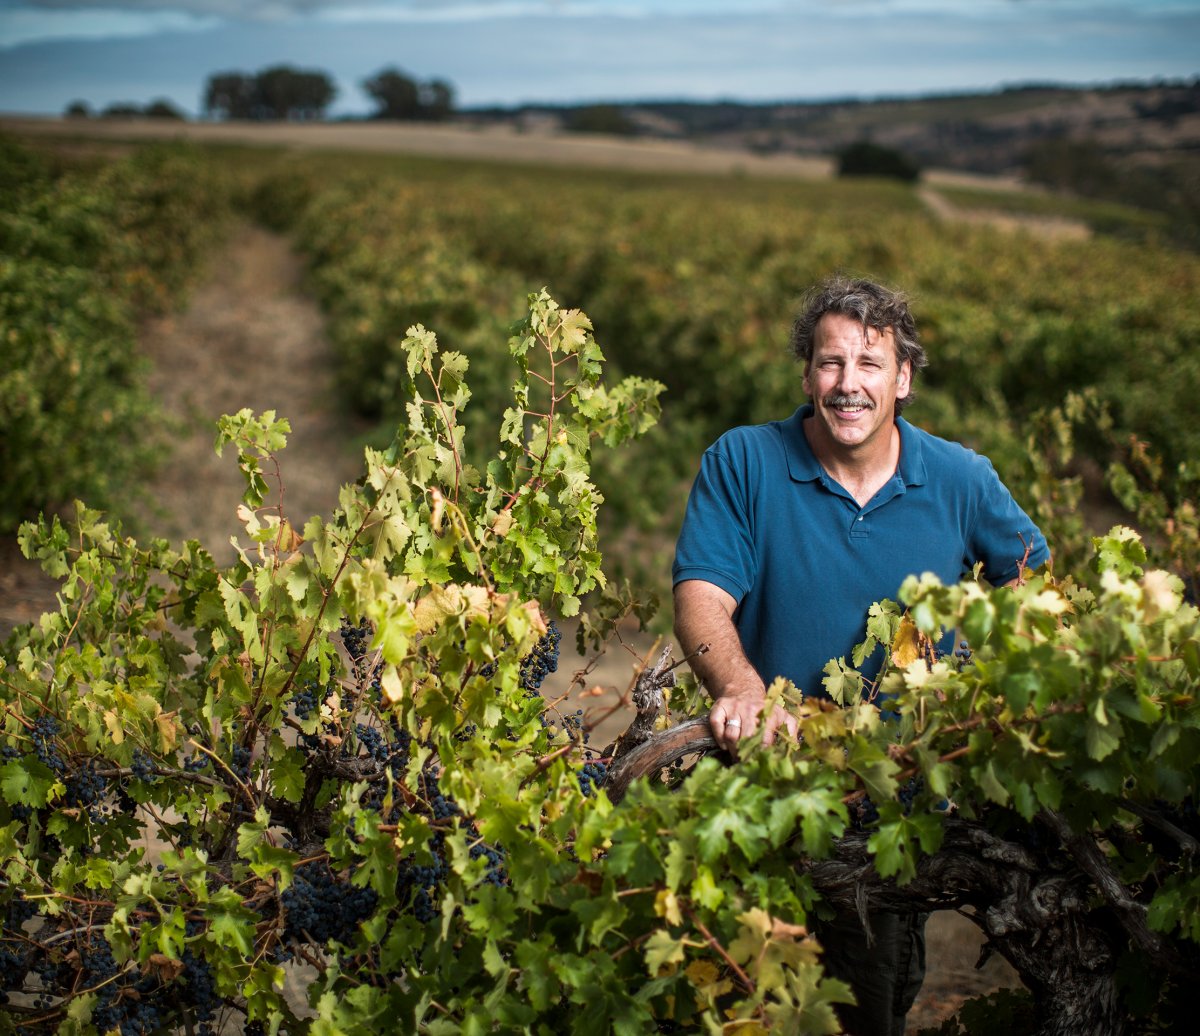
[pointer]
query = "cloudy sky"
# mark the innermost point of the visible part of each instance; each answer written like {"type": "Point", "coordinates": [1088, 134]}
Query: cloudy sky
{"type": "Point", "coordinates": [512, 51]}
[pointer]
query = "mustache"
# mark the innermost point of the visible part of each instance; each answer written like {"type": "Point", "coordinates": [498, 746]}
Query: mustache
{"type": "Point", "coordinates": [848, 401]}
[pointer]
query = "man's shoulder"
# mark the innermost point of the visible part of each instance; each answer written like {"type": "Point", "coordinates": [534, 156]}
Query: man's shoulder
{"type": "Point", "coordinates": [751, 440]}
{"type": "Point", "coordinates": [944, 457]}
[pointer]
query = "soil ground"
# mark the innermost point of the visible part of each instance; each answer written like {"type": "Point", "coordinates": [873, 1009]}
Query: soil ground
{"type": "Point", "coordinates": [251, 338]}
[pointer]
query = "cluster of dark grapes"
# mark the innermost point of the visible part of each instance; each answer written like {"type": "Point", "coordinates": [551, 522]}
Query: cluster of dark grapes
{"type": "Point", "coordinates": [573, 724]}
{"type": "Point", "coordinates": [356, 638]}
{"type": "Point", "coordinates": [201, 984]}
{"type": "Point", "coordinates": [44, 734]}
{"type": "Point", "coordinates": [541, 661]}
{"type": "Point", "coordinates": [962, 655]}
{"type": "Point", "coordinates": [240, 763]}
{"type": "Point", "coordinates": [372, 740]}
{"type": "Point", "coordinates": [138, 1006]}
{"type": "Point", "coordinates": [86, 791]}
{"type": "Point", "coordinates": [424, 879]}
{"type": "Point", "coordinates": [308, 700]}
{"type": "Point", "coordinates": [495, 874]}
{"type": "Point", "coordinates": [14, 951]}
{"type": "Point", "coordinates": [128, 1001]}
{"type": "Point", "coordinates": [322, 906]}
{"type": "Point", "coordinates": [592, 777]}
{"type": "Point", "coordinates": [865, 814]}
{"type": "Point", "coordinates": [143, 766]}
{"type": "Point", "coordinates": [442, 807]}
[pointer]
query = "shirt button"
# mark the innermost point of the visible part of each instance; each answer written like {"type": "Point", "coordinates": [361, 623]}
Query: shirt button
{"type": "Point", "coordinates": [860, 517]}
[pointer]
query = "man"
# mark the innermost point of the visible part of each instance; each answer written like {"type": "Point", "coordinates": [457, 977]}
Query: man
{"type": "Point", "coordinates": [794, 528]}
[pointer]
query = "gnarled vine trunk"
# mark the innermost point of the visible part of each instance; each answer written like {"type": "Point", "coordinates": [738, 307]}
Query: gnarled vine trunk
{"type": "Point", "coordinates": [1047, 912]}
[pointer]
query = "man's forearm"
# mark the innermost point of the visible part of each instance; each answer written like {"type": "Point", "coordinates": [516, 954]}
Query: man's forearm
{"type": "Point", "coordinates": [703, 616]}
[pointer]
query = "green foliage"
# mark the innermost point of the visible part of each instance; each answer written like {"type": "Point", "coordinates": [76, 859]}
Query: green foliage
{"type": "Point", "coordinates": [228, 719]}
{"type": "Point", "coordinates": [862, 158]}
{"type": "Point", "coordinates": [694, 283]}
{"type": "Point", "coordinates": [85, 253]}
{"type": "Point", "coordinates": [599, 118]}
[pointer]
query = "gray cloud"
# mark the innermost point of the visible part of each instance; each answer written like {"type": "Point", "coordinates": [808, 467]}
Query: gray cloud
{"type": "Point", "coordinates": [280, 10]}
{"type": "Point", "coordinates": [259, 9]}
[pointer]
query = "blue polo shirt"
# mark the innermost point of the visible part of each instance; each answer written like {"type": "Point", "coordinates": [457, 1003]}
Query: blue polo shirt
{"type": "Point", "coordinates": [805, 562]}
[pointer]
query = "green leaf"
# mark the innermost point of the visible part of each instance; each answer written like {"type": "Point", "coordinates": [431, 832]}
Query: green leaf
{"type": "Point", "coordinates": [841, 683]}
{"type": "Point", "coordinates": [26, 781]}
{"type": "Point", "coordinates": [1102, 738]}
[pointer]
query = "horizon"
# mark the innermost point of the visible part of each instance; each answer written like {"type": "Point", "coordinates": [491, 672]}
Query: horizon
{"type": "Point", "coordinates": [560, 53]}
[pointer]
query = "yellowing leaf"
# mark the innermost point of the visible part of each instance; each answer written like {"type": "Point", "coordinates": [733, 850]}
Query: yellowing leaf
{"type": "Point", "coordinates": [1050, 602]}
{"type": "Point", "coordinates": [438, 605]}
{"type": "Point", "coordinates": [784, 930]}
{"type": "Point", "coordinates": [1162, 593]}
{"type": "Point", "coordinates": [393, 689]}
{"type": "Point", "coordinates": [906, 644]}
{"type": "Point", "coordinates": [701, 973]}
{"type": "Point", "coordinates": [667, 905]}
{"type": "Point", "coordinates": [502, 523]}
{"type": "Point", "coordinates": [168, 731]}
{"type": "Point", "coordinates": [113, 723]}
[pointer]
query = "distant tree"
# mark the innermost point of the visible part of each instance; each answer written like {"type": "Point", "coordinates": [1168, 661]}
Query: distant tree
{"type": "Point", "coordinates": [284, 92]}
{"type": "Point", "coordinates": [397, 95]}
{"type": "Point", "coordinates": [437, 100]}
{"type": "Point", "coordinates": [280, 92]}
{"type": "Point", "coordinates": [122, 110]}
{"type": "Point", "coordinates": [866, 159]}
{"type": "Point", "coordinates": [600, 118]}
{"type": "Point", "coordinates": [163, 109]}
{"type": "Point", "coordinates": [78, 110]}
{"type": "Point", "coordinates": [230, 95]}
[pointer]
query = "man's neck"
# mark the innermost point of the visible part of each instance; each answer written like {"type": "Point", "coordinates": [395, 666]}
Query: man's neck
{"type": "Point", "coordinates": [860, 470]}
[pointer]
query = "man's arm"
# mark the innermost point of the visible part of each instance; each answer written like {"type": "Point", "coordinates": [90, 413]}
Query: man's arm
{"type": "Point", "coordinates": [704, 615]}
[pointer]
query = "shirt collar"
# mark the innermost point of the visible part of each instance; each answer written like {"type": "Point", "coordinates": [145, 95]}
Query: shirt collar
{"type": "Point", "coordinates": [803, 465]}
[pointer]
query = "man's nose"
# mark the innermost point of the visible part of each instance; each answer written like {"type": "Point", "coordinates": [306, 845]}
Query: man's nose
{"type": "Point", "coordinates": [848, 380]}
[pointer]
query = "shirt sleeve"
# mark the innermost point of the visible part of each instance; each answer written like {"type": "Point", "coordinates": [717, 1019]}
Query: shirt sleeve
{"type": "Point", "coordinates": [1002, 532]}
{"type": "Point", "coordinates": [716, 543]}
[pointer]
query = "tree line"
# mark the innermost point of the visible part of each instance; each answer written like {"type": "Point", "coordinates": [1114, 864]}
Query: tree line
{"type": "Point", "coordinates": [283, 93]}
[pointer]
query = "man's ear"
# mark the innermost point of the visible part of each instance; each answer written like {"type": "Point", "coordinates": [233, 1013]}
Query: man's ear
{"type": "Point", "coordinates": [804, 381]}
{"type": "Point", "coordinates": [904, 380]}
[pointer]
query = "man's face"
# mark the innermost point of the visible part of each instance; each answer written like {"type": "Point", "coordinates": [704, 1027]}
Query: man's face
{"type": "Point", "coordinates": [854, 381]}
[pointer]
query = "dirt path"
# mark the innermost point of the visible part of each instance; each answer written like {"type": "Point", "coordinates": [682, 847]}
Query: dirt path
{"type": "Point", "coordinates": [249, 337]}
{"type": "Point", "coordinates": [1054, 228]}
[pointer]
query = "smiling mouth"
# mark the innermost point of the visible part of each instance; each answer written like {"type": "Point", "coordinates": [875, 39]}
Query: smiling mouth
{"type": "Point", "coordinates": [848, 404]}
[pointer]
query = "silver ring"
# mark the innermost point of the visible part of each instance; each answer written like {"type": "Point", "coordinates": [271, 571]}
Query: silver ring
{"type": "Point", "coordinates": [733, 723]}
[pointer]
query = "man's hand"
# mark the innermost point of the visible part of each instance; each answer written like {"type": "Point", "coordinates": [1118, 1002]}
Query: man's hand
{"type": "Point", "coordinates": [703, 615]}
{"type": "Point", "coordinates": [735, 716]}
